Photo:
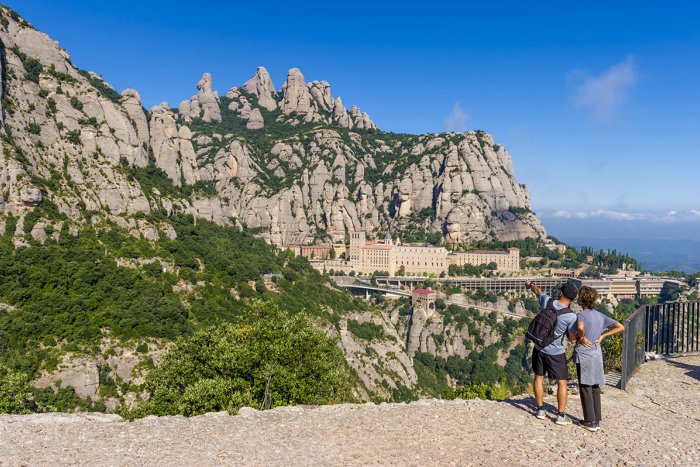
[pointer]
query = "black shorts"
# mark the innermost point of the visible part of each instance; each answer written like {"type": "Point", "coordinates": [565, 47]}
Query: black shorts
{"type": "Point", "coordinates": [553, 365]}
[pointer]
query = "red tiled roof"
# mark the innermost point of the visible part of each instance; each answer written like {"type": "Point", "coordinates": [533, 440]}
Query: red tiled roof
{"type": "Point", "coordinates": [423, 291]}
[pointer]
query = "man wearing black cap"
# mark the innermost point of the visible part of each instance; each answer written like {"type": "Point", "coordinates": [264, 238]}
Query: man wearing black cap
{"type": "Point", "coordinates": [552, 359]}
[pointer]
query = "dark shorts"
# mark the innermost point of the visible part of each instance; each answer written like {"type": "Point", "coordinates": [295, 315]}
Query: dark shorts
{"type": "Point", "coordinates": [553, 365]}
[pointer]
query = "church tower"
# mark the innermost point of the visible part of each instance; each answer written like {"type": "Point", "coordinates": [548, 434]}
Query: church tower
{"type": "Point", "coordinates": [357, 242]}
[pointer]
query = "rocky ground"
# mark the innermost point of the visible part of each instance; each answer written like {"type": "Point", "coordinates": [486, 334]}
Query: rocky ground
{"type": "Point", "coordinates": [656, 422]}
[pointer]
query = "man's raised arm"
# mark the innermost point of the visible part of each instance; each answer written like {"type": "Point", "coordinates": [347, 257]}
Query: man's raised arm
{"type": "Point", "coordinates": [534, 288]}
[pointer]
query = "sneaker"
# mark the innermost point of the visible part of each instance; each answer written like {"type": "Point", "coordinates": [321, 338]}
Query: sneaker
{"type": "Point", "coordinates": [590, 426]}
{"type": "Point", "coordinates": [541, 414]}
{"type": "Point", "coordinates": [597, 426]}
{"type": "Point", "coordinates": [563, 419]}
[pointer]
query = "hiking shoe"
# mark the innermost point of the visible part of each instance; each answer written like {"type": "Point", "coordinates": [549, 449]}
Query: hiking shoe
{"type": "Point", "coordinates": [562, 419]}
{"type": "Point", "coordinates": [590, 426]}
{"type": "Point", "coordinates": [541, 414]}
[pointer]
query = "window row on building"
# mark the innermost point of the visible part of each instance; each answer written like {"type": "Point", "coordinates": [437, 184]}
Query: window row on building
{"type": "Point", "coordinates": [366, 258]}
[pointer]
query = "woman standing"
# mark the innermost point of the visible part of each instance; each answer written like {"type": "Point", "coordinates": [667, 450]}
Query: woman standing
{"type": "Point", "coordinates": [590, 330]}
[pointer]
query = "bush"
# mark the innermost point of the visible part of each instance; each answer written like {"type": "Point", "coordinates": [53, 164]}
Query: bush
{"type": "Point", "coordinates": [51, 105]}
{"type": "Point", "coordinates": [476, 390]}
{"type": "Point", "coordinates": [33, 128]}
{"type": "Point", "coordinates": [612, 353]}
{"type": "Point", "coordinates": [92, 121]}
{"type": "Point", "coordinates": [102, 87]}
{"type": "Point", "coordinates": [64, 400]}
{"type": "Point", "coordinates": [367, 331]}
{"type": "Point", "coordinates": [73, 136]}
{"type": "Point", "coordinates": [265, 360]}
{"type": "Point", "coordinates": [531, 304]}
{"type": "Point", "coordinates": [15, 393]}
{"type": "Point", "coordinates": [75, 102]}
{"type": "Point", "coordinates": [402, 394]}
{"type": "Point", "coordinates": [431, 373]}
{"type": "Point", "coordinates": [32, 67]}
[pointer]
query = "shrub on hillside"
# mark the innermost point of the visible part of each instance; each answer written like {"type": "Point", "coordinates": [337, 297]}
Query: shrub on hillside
{"type": "Point", "coordinates": [75, 103]}
{"type": "Point", "coordinates": [15, 392]}
{"type": "Point", "coordinates": [367, 331]}
{"type": "Point", "coordinates": [265, 360]}
{"type": "Point", "coordinates": [477, 390]}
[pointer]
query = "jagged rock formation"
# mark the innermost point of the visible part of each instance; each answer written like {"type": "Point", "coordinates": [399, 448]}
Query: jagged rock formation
{"type": "Point", "coordinates": [262, 88]}
{"type": "Point", "coordinates": [295, 164]}
{"type": "Point", "coordinates": [205, 105]}
{"type": "Point", "coordinates": [439, 334]}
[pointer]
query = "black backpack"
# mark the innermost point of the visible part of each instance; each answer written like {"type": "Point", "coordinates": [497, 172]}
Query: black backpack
{"type": "Point", "coordinates": [541, 329]}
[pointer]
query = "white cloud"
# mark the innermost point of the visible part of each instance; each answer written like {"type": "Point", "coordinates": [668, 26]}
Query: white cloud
{"type": "Point", "coordinates": [673, 216]}
{"type": "Point", "coordinates": [613, 215]}
{"type": "Point", "coordinates": [562, 213]}
{"type": "Point", "coordinates": [456, 120]}
{"type": "Point", "coordinates": [603, 94]}
{"type": "Point", "coordinates": [617, 215]}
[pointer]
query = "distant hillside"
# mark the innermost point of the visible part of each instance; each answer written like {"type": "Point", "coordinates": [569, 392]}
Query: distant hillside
{"type": "Point", "coordinates": [655, 255]}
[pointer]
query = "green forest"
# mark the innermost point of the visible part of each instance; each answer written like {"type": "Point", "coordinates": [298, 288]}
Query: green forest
{"type": "Point", "coordinates": [66, 295]}
{"type": "Point", "coordinates": [481, 365]}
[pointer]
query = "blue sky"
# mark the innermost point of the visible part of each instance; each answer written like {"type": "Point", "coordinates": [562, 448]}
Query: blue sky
{"type": "Point", "coordinates": [598, 103]}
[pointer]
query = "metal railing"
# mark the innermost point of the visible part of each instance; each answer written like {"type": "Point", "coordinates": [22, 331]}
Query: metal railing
{"type": "Point", "coordinates": [666, 328]}
{"type": "Point", "coordinates": [673, 328]}
{"type": "Point", "coordinates": [633, 348]}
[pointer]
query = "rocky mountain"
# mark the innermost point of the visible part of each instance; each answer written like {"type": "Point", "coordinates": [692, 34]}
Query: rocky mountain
{"type": "Point", "coordinates": [295, 164]}
{"type": "Point", "coordinates": [123, 192]}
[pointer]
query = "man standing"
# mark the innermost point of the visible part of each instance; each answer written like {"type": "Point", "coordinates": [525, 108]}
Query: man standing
{"type": "Point", "coordinates": [551, 359]}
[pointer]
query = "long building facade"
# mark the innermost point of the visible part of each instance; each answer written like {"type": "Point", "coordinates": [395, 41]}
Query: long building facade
{"type": "Point", "coordinates": [368, 257]}
{"type": "Point", "coordinates": [629, 287]}
{"type": "Point", "coordinates": [505, 260]}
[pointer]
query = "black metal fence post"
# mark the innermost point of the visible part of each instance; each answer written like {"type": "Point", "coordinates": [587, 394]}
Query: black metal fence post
{"type": "Point", "coordinates": [632, 349]}
{"type": "Point", "coordinates": [666, 328]}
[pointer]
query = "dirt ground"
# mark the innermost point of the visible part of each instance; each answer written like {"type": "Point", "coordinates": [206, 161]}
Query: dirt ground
{"type": "Point", "coordinates": [655, 422]}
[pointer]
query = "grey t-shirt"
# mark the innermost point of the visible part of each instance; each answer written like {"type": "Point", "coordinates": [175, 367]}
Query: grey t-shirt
{"type": "Point", "coordinates": [564, 322]}
{"type": "Point", "coordinates": [594, 324]}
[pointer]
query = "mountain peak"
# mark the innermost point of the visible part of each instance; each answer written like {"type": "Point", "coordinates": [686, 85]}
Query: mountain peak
{"type": "Point", "coordinates": [295, 94]}
{"type": "Point", "coordinates": [63, 120]}
{"type": "Point", "coordinates": [260, 85]}
{"type": "Point", "coordinates": [205, 104]}
{"type": "Point", "coordinates": [204, 83]}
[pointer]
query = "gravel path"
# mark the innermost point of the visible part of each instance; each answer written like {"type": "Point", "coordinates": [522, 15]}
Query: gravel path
{"type": "Point", "coordinates": [657, 422]}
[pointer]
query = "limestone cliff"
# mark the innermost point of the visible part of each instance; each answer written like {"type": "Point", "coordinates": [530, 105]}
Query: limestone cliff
{"type": "Point", "coordinates": [295, 164]}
